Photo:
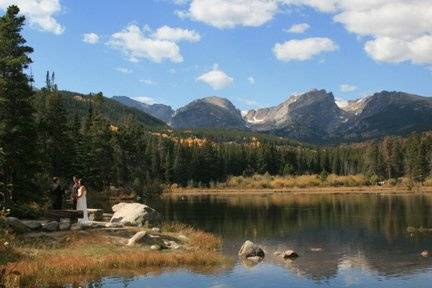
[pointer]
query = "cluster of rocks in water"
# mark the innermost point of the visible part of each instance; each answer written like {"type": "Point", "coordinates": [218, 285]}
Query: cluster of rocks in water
{"type": "Point", "coordinates": [253, 253]}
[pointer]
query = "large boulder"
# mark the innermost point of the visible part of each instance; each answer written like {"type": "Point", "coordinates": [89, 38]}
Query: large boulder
{"type": "Point", "coordinates": [250, 249]}
{"type": "Point", "coordinates": [135, 214]}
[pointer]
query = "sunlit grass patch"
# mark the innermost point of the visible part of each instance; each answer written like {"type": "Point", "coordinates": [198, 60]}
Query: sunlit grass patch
{"type": "Point", "coordinates": [48, 259]}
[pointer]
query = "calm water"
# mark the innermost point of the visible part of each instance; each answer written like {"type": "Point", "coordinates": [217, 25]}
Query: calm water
{"type": "Point", "coordinates": [362, 241]}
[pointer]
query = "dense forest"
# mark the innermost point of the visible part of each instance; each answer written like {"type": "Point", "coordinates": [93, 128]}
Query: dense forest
{"type": "Point", "coordinates": [47, 132]}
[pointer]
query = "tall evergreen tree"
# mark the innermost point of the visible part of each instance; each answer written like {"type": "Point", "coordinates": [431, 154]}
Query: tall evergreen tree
{"type": "Point", "coordinates": [59, 144]}
{"type": "Point", "coordinates": [17, 133]}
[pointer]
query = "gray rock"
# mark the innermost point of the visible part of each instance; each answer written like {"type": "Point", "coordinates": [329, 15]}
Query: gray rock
{"type": "Point", "coordinates": [50, 226]}
{"type": "Point", "coordinates": [93, 225]}
{"type": "Point", "coordinates": [135, 214]}
{"type": "Point", "coordinates": [289, 254]}
{"type": "Point", "coordinates": [172, 245]}
{"type": "Point", "coordinates": [63, 226]}
{"type": "Point", "coordinates": [156, 230]}
{"type": "Point", "coordinates": [32, 224]}
{"type": "Point", "coordinates": [183, 238]}
{"type": "Point", "coordinates": [155, 247]}
{"type": "Point", "coordinates": [95, 214]}
{"type": "Point", "coordinates": [138, 236]}
{"type": "Point", "coordinates": [250, 249]}
{"type": "Point", "coordinates": [107, 216]}
{"type": "Point", "coordinates": [113, 225]}
{"type": "Point", "coordinates": [75, 227]}
{"type": "Point", "coordinates": [17, 226]}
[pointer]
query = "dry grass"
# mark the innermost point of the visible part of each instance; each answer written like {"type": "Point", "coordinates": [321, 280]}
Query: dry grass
{"type": "Point", "coordinates": [303, 181]}
{"type": "Point", "coordinates": [95, 253]}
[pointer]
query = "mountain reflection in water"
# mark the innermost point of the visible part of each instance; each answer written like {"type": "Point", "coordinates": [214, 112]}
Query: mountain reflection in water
{"type": "Point", "coordinates": [342, 240]}
{"type": "Point", "coordinates": [367, 231]}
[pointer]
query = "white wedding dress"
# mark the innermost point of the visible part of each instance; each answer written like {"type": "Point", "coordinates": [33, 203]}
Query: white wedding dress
{"type": "Point", "coordinates": [82, 205]}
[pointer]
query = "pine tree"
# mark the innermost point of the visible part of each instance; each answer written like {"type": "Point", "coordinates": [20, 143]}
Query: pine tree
{"type": "Point", "coordinates": [415, 160]}
{"type": "Point", "coordinates": [18, 136]}
{"type": "Point", "coordinates": [59, 144]}
{"type": "Point", "coordinates": [374, 161]}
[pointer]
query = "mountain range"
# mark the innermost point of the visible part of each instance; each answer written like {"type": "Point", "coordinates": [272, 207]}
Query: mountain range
{"type": "Point", "coordinates": [314, 116]}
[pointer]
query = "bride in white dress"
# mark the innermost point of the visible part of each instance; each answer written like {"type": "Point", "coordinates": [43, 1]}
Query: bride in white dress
{"type": "Point", "coordinates": [82, 202]}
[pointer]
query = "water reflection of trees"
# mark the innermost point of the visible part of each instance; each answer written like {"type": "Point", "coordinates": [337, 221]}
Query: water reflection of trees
{"type": "Point", "coordinates": [368, 231]}
{"type": "Point", "coordinates": [267, 216]}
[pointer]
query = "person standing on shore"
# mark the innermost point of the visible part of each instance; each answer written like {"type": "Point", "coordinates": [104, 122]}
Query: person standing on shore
{"type": "Point", "coordinates": [82, 202]}
{"type": "Point", "coordinates": [57, 192]}
{"type": "Point", "coordinates": [74, 191]}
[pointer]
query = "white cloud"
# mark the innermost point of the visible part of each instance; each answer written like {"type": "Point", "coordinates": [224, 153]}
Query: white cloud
{"type": "Point", "coordinates": [395, 50]}
{"type": "Point", "coordinates": [123, 70]}
{"type": "Point", "coordinates": [40, 13]}
{"type": "Point", "coordinates": [91, 38]}
{"type": "Point", "coordinates": [136, 45]}
{"type": "Point", "coordinates": [398, 30]}
{"type": "Point", "coordinates": [145, 99]}
{"type": "Point", "coordinates": [304, 49]}
{"type": "Point", "coordinates": [148, 81]}
{"type": "Point", "coordinates": [251, 80]}
{"type": "Point", "coordinates": [231, 13]}
{"type": "Point", "coordinates": [176, 34]}
{"type": "Point", "coordinates": [298, 28]}
{"type": "Point", "coordinates": [216, 78]}
{"type": "Point", "coordinates": [345, 88]}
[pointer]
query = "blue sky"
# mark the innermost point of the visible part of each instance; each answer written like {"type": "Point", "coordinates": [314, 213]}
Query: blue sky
{"type": "Point", "coordinates": [238, 49]}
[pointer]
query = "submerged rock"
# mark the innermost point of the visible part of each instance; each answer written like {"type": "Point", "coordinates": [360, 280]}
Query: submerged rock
{"type": "Point", "coordinates": [135, 214]}
{"type": "Point", "coordinates": [255, 259]}
{"type": "Point", "coordinates": [250, 262]}
{"type": "Point", "coordinates": [250, 249]}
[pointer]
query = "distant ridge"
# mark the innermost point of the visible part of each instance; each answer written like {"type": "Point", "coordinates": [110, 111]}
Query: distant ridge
{"type": "Point", "coordinates": [313, 117]}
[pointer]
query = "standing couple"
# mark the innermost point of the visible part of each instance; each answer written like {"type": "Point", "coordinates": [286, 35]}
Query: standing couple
{"type": "Point", "coordinates": [79, 198]}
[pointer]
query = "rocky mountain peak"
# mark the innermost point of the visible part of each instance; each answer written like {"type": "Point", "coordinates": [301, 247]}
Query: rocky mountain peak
{"type": "Point", "coordinates": [209, 112]}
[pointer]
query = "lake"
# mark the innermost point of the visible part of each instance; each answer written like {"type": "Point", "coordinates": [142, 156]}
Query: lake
{"type": "Point", "coordinates": [342, 240]}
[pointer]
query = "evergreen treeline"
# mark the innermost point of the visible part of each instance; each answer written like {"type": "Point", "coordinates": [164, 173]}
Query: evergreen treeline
{"type": "Point", "coordinates": [42, 135]}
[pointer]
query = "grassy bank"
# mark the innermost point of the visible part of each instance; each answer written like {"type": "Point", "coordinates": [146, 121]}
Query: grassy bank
{"type": "Point", "coordinates": [43, 259]}
{"type": "Point", "coordinates": [306, 184]}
